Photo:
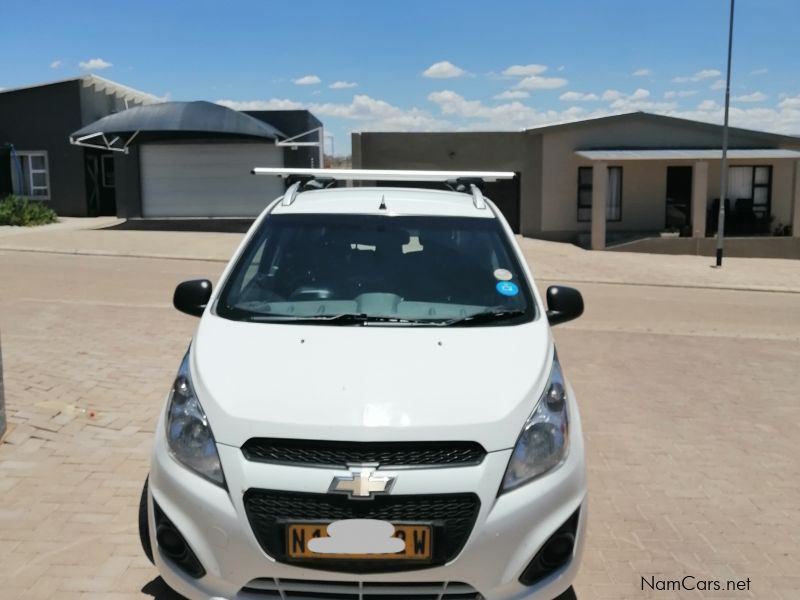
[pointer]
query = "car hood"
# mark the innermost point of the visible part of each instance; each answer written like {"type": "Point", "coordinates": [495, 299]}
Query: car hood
{"type": "Point", "coordinates": [369, 383]}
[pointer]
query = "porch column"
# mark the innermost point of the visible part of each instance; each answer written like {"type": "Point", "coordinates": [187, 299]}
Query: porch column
{"type": "Point", "coordinates": [599, 192]}
{"type": "Point", "coordinates": [699, 198]}
{"type": "Point", "coordinates": [796, 201]}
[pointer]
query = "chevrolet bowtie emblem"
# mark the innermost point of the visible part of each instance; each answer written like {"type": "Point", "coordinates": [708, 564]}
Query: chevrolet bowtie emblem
{"type": "Point", "coordinates": [362, 482]}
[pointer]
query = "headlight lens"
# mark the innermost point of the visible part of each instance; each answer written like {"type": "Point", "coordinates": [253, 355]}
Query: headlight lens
{"type": "Point", "coordinates": [188, 433]}
{"type": "Point", "coordinates": [544, 440]}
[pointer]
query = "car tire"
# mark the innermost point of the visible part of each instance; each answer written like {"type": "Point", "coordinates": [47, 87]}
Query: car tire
{"type": "Point", "coordinates": [144, 526]}
{"type": "Point", "coordinates": [568, 595]}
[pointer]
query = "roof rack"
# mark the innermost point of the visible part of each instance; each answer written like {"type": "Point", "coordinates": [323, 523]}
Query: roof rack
{"type": "Point", "coordinates": [460, 181]}
{"type": "Point", "coordinates": [383, 174]}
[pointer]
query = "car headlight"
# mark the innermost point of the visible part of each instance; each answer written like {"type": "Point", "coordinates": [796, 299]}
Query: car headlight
{"type": "Point", "coordinates": [544, 440]}
{"type": "Point", "coordinates": [188, 432]}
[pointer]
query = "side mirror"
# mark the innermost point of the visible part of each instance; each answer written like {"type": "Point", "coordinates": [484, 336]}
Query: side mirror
{"type": "Point", "coordinates": [192, 296]}
{"type": "Point", "coordinates": [563, 304]}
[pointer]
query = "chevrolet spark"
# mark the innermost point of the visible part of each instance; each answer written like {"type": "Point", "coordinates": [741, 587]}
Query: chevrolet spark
{"type": "Point", "coordinates": [372, 408]}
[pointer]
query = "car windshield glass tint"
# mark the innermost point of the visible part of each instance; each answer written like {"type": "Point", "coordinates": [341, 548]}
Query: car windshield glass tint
{"type": "Point", "coordinates": [367, 269]}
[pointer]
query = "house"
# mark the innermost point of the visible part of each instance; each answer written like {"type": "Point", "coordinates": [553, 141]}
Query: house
{"type": "Point", "coordinates": [89, 146]}
{"type": "Point", "coordinates": [609, 179]}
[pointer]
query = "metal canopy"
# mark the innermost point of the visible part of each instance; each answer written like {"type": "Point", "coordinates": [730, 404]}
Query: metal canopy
{"type": "Point", "coordinates": [687, 154]}
{"type": "Point", "coordinates": [116, 132]}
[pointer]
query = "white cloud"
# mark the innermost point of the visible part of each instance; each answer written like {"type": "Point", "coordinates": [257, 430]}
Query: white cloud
{"type": "Point", "coordinates": [443, 70]}
{"type": "Point", "coordinates": [708, 105]}
{"type": "Point", "coordinates": [512, 95]}
{"type": "Point", "coordinates": [307, 80]}
{"type": "Point", "coordinates": [372, 114]}
{"type": "Point", "coordinates": [636, 100]}
{"type": "Point", "coordinates": [560, 68]}
{"type": "Point", "coordinates": [671, 94]}
{"type": "Point", "coordinates": [534, 82]}
{"type": "Point", "coordinates": [698, 76]}
{"type": "Point", "coordinates": [474, 115]}
{"type": "Point", "coordinates": [578, 97]}
{"type": "Point", "coordinates": [784, 118]}
{"type": "Point", "coordinates": [342, 85]}
{"type": "Point", "coordinates": [762, 71]}
{"type": "Point", "coordinates": [719, 84]}
{"type": "Point", "coordinates": [610, 95]}
{"type": "Point", "coordinates": [524, 70]}
{"type": "Point", "coordinates": [272, 104]}
{"type": "Point", "coordinates": [94, 64]}
{"type": "Point", "coordinates": [790, 102]}
{"type": "Point", "coordinates": [55, 64]}
{"type": "Point", "coordinates": [754, 97]}
{"type": "Point", "coordinates": [641, 73]}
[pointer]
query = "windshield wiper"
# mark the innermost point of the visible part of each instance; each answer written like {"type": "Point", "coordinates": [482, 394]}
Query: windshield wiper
{"type": "Point", "coordinates": [340, 319]}
{"type": "Point", "coordinates": [489, 316]}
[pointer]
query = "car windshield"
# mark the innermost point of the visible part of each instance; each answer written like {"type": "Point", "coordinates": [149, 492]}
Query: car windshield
{"type": "Point", "coordinates": [366, 269]}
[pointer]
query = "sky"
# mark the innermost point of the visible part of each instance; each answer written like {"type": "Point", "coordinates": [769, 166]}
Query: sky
{"type": "Point", "coordinates": [435, 65]}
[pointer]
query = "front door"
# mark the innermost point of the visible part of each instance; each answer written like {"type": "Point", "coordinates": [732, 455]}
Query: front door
{"type": "Point", "coordinates": [108, 192]}
{"type": "Point", "coordinates": [92, 184]}
{"type": "Point", "coordinates": [679, 200]}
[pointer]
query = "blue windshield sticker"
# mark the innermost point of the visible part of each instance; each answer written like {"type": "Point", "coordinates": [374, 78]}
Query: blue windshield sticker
{"type": "Point", "coordinates": [507, 288]}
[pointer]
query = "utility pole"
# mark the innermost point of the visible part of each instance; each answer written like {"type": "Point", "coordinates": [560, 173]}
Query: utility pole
{"type": "Point", "coordinates": [724, 183]}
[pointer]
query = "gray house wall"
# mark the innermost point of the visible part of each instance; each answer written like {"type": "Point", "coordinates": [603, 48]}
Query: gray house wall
{"type": "Point", "coordinates": [41, 118]}
{"type": "Point", "coordinates": [468, 151]}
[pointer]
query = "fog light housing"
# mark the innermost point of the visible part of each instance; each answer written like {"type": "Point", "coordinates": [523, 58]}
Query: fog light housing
{"type": "Point", "coordinates": [174, 546]}
{"type": "Point", "coordinates": [554, 554]}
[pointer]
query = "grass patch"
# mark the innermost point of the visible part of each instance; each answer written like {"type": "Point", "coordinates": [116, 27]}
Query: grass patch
{"type": "Point", "coordinates": [15, 210]}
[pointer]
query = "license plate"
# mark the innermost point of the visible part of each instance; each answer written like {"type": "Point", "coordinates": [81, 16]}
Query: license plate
{"type": "Point", "coordinates": [417, 538]}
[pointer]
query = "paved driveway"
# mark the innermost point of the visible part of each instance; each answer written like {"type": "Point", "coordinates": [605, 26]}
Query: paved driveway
{"type": "Point", "coordinates": [689, 400]}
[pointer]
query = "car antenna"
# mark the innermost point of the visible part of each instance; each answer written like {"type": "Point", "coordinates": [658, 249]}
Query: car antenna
{"type": "Point", "coordinates": [383, 203]}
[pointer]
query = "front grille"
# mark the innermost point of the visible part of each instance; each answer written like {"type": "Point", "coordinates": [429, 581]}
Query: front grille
{"type": "Point", "coordinates": [451, 516]}
{"type": "Point", "coordinates": [286, 589]}
{"type": "Point", "coordinates": [340, 454]}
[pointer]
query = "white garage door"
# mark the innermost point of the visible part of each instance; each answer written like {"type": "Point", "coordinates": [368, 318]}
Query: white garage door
{"type": "Point", "coordinates": [207, 180]}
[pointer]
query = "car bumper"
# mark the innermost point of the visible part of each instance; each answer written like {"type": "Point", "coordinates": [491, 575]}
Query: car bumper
{"type": "Point", "coordinates": [508, 532]}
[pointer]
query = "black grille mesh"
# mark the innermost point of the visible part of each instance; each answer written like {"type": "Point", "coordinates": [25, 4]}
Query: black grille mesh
{"type": "Point", "coordinates": [290, 589]}
{"type": "Point", "coordinates": [386, 454]}
{"type": "Point", "coordinates": [452, 517]}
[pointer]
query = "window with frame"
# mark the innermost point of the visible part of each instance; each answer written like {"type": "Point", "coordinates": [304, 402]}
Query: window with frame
{"type": "Point", "coordinates": [613, 194]}
{"type": "Point", "coordinates": [751, 186]}
{"type": "Point", "coordinates": [30, 176]}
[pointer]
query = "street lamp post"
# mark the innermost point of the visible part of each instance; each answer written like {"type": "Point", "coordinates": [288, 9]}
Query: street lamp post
{"type": "Point", "coordinates": [724, 177]}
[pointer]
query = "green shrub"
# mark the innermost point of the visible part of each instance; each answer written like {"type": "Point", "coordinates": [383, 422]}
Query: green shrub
{"type": "Point", "coordinates": [15, 210]}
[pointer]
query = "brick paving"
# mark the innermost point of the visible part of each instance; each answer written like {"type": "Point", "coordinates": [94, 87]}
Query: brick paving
{"type": "Point", "coordinates": [689, 402]}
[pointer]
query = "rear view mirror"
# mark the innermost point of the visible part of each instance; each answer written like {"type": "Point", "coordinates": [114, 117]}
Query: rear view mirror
{"type": "Point", "coordinates": [191, 297]}
{"type": "Point", "coordinates": [563, 304]}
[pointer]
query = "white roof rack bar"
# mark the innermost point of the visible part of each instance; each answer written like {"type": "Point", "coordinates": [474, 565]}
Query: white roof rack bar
{"type": "Point", "coordinates": [291, 193]}
{"type": "Point", "coordinates": [383, 174]}
{"type": "Point", "coordinates": [477, 197]}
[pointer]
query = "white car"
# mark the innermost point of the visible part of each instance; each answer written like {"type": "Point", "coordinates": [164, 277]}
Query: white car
{"type": "Point", "coordinates": [372, 408]}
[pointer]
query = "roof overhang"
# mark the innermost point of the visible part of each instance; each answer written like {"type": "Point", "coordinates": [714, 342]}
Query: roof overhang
{"type": "Point", "coordinates": [687, 154]}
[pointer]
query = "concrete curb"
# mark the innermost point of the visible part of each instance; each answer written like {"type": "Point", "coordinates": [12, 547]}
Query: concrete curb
{"type": "Point", "coordinates": [113, 254]}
